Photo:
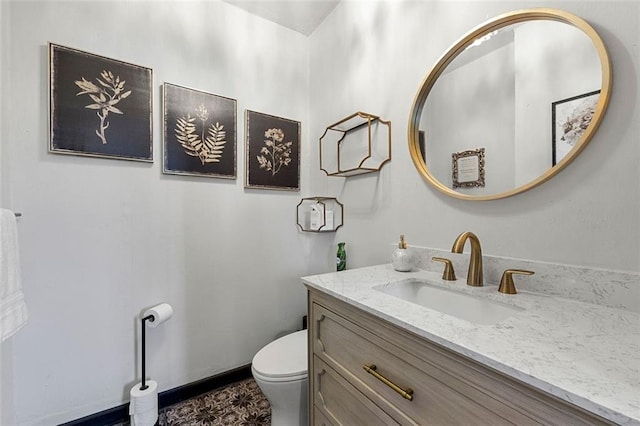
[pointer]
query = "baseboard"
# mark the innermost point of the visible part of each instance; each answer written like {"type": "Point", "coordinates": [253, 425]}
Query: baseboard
{"type": "Point", "coordinates": [169, 397]}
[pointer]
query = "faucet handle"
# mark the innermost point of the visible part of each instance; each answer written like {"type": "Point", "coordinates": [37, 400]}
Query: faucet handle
{"type": "Point", "coordinates": [449, 274]}
{"type": "Point", "coordinates": [506, 283]}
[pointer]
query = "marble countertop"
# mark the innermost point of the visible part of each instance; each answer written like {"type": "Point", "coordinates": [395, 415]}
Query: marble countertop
{"type": "Point", "coordinates": [583, 353]}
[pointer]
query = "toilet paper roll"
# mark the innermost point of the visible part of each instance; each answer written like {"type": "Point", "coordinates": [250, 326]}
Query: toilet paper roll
{"type": "Point", "coordinates": [143, 407]}
{"type": "Point", "coordinates": [160, 314]}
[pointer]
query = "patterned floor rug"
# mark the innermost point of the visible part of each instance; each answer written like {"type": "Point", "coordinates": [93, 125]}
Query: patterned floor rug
{"type": "Point", "coordinates": [238, 404]}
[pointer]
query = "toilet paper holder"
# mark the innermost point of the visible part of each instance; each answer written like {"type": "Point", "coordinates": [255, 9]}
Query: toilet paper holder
{"type": "Point", "coordinates": [156, 315]}
{"type": "Point", "coordinates": [149, 318]}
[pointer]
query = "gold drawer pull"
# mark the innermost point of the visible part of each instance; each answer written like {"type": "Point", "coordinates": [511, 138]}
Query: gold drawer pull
{"type": "Point", "coordinates": [406, 393]}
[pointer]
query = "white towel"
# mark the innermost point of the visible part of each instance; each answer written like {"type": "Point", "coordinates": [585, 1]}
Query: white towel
{"type": "Point", "coordinates": [13, 310]}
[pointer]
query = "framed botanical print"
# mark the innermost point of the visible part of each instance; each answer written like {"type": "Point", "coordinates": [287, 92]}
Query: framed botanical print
{"type": "Point", "coordinates": [272, 152]}
{"type": "Point", "coordinates": [98, 106]}
{"type": "Point", "coordinates": [199, 135]}
{"type": "Point", "coordinates": [570, 118]}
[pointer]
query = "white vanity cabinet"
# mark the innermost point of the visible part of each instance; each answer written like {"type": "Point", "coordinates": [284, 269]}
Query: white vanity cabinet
{"type": "Point", "coordinates": [445, 388]}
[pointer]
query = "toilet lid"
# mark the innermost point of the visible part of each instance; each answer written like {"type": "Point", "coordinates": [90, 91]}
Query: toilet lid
{"type": "Point", "coordinates": [286, 356]}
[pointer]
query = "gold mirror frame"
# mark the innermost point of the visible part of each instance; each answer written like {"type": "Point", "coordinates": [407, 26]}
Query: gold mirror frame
{"type": "Point", "coordinates": [496, 23]}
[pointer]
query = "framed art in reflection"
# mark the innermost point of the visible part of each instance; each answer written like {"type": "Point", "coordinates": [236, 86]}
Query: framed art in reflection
{"type": "Point", "coordinates": [468, 168]}
{"type": "Point", "coordinates": [570, 118]}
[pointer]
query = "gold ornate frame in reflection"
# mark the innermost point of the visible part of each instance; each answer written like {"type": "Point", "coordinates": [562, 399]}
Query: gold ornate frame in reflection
{"type": "Point", "coordinates": [468, 168]}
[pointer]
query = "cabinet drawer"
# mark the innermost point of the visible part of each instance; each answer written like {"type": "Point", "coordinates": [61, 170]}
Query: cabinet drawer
{"type": "Point", "coordinates": [448, 388]}
{"type": "Point", "coordinates": [319, 419]}
{"type": "Point", "coordinates": [436, 397]}
{"type": "Point", "coordinates": [339, 403]}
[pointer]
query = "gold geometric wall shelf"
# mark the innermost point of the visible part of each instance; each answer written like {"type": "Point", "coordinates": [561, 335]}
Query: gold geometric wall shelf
{"type": "Point", "coordinates": [357, 144]}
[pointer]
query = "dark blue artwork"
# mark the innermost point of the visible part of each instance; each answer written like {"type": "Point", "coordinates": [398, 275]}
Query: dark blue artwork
{"type": "Point", "coordinates": [272, 152]}
{"type": "Point", "coordinates": [99, 107]}
{"type": "Point", "coordinates": [199, 133]}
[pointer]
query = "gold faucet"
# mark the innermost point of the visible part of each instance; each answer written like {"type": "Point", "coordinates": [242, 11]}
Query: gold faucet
{"type": "Point", "coordinates": [506, 283]}
{"type": "Point", "coordinates": [474, 276]}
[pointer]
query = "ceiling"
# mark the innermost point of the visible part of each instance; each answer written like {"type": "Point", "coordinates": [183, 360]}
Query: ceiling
{"type": "Point", "coordinates": [302, 16]}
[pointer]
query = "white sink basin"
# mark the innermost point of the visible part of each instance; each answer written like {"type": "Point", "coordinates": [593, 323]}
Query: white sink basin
{"type": "Point", "coordinates": [460, 305]}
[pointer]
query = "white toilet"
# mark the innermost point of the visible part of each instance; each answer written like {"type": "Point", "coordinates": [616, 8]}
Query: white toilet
{"type": "Point", "coordinates": [280, 369]}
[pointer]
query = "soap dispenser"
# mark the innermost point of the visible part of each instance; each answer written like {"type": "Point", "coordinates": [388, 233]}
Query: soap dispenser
{"type": "Point", "coordinates": [402, 259]}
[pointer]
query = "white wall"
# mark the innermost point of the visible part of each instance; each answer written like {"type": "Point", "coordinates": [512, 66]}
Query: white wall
{"type": "Point", "coordinates": [6, 349]}
{"type": "Point", "coordinates": [114, 237]}
{"type": "Point", "coordinates": [4, 36]}
{"type": "Point", "coordinates": [103, 239]}
{"type": "Point", "coordinates": [374, 58]}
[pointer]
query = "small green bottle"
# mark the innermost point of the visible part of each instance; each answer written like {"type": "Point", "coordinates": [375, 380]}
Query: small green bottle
{"type": "Point", "coordinates": [341, 258]}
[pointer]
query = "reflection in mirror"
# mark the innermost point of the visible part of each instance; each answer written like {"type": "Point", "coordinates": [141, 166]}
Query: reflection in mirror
{"type": "Point", "coordinates": [500, 90]}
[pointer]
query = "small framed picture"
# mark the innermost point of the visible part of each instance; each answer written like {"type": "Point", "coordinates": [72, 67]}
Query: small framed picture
{"type": "Point", "coordinates": [272, 152]}
{"type": "Point", "coordinates": [99, 107]}
{"type": "Point", "coordinates": [199, 134]}
{"type": "Point", "coordinates": [468, 168]}
{"type": "Point", "coordinates": [569, 119]}
{"type": "Point", "coordinates": [421, 142]}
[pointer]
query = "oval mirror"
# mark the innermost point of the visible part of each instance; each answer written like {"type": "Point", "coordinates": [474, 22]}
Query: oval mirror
{"type": "Point", "coordinates": [510, 104]}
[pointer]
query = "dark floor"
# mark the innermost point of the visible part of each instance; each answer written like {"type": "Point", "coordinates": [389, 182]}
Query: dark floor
{"type": "Point", "coordinates": [240, 403]}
